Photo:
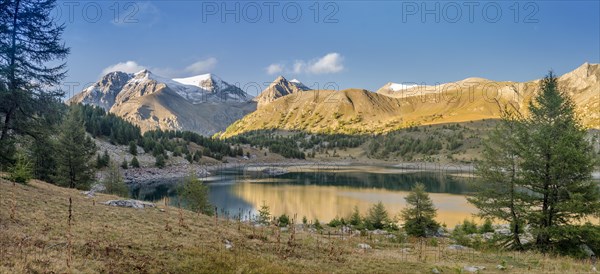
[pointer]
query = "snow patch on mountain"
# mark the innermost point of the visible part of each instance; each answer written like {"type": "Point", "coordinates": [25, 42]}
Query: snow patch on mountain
{"type": "Point", "coordinates": [398, 87]}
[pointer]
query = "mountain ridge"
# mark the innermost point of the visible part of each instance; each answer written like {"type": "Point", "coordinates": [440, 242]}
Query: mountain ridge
{"type": "Point", "coordinates": [280, 87]}
{"type": "Point", "coordinates": [327, 111]}
{"type": "Point", "coordinates": [154, 102]}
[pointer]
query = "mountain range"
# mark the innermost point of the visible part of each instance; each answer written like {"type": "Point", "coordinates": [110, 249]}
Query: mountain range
{"type": "Point", "coordinates": [394, 106]}
{"type": "Point", "coordinates": [207, 104]}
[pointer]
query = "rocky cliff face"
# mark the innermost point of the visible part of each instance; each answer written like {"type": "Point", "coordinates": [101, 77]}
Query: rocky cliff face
{"type": "Point", "coordinates": [279, 88]}
{"type": "Point", "coordinates": [204, 104]}
{"type": "Point", "coordinates": [104, 92]}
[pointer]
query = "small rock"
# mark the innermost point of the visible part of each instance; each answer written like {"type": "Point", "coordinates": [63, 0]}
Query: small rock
{"type": "Point", "coordinates": [129, 203]}
{"type": "Point", "coordinates": [594, 269]}
{"type": "Point", "coordinates": [500, 267]}
{"type": "Point", "coordinates": [379, 232]}
{"type": "Point", "coordinates": [587, 250]}
{"type": "Point", "coordinates": [405, 250]}
{"type": "Point", "coordinates": [435, 270]}
{"type": "Point", "coordinates": [457, 247]}
{"type": "Point", "coordinates": [487, 236]}
{"type": "Point", "coordinates": [364, 246]}
{"type": "Point", "coordinates": [228, 244]}
{"type": "Point", "coordinates": [503, 231]}
{"type": "Point", "coordinates": [473, 269]}
{"type": "Point", "coordinates": [284, 229]}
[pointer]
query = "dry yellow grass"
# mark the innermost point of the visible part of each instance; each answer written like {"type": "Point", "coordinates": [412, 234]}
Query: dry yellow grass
{"type": "Point", "coordinates": [34, 237]}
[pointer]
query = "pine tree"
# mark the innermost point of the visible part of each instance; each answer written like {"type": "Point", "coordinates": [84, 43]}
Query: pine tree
{"type": "Point", "coordinates": [264, 214]}
{"type": "Point", "coordinates": [377, 217]}
{"type": "Point", "coordinates": [160, 161]}
{"type": "Point", "coordinates": [105, 158]}
{"type": "Point", "coordinates": [420, 213]}
{"type": "Point", "coordinates": [133, 148]}
{"type": "Point", "coordinates": [355, 218]}
{"type": "Point", "coordinates": [135, 163]}
{"type": "Point", "coordinates": [74, 151]}
{"type": "Point", "coordinates": [497, 192]}
{"type": "Point", "coordinates": [30, 39]}
{"type": "Point", "coordinates": [114, 182]}
{"type": "Point", "coordinates": [556, 166]}
{"type": "Point", "coordinates": [195, 194]}
{"type": "Point", "coordinates": [124, 164]}
{"type": "Point", "coordinates": [43, 152]}
{"type": "Point", "coordinates": [22, 171]}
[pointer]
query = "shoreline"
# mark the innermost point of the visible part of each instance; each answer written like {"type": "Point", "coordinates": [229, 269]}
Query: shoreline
{"type": "Point", "coordinates": [139, 175]}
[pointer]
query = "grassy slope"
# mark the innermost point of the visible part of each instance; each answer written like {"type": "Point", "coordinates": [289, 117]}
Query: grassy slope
{"type": "Point", "coordinates": [109, 239]}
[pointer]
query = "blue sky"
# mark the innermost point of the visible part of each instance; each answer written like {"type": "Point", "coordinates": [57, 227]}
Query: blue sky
{"type": "Point", "coordinates": [353, 44]}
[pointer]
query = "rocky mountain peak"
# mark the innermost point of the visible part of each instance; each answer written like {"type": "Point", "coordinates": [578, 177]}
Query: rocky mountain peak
{"type": "Point", "coordinates": [278, 88]}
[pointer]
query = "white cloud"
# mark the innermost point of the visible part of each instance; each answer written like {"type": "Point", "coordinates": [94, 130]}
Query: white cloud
{"type": "Point", "coordinates": [274, 69]}
{"type": "Point", "coordinates": [128, 67]}
{"type": "Point", "coordinates": [299, 66]}
{"type": "Point", "coordinates": [202, 66]}
{"type": "Point", "coordinates": [330, 63]}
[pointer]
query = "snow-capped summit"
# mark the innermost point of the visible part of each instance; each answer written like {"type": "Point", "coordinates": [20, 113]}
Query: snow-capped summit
{"type": "Point", "coordinates": [103, 92]}
{"type": "Point", "coordinates": [203, 80]}
{"type": "Point", "coordinates": [299, 84]}
{"type": "Point", "coordinates": [203, 103]}
{"type": "Point", "coordinates": [398, 87]}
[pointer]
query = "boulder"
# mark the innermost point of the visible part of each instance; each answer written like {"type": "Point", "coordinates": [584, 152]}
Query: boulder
{"type": "Point", "coordinates": [473, 269]}
{"type": "Point", "coordinates": [457, 247]}
{"type": "Point", "coordinates": [129, 203]}
{"type": "Point", "coordinates": [503, 231]}
{"type": "Point", "coordinates": [364, 246]}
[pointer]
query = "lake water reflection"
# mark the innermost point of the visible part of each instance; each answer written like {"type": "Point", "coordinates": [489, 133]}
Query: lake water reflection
{"type": "Point", "coordinates": [327, 192]}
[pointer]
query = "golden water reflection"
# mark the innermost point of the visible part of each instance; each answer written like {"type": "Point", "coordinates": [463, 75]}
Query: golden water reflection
{"type": "Point", "coordinates": [327, 202]}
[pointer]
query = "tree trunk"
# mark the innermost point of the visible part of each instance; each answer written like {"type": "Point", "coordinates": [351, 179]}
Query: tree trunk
{"type": "Point", "coordinates": [543, 239]}
{"type": "Point", "coordinates": [12, 81]}
{"type": "Point", "coordinates": [5, 126]}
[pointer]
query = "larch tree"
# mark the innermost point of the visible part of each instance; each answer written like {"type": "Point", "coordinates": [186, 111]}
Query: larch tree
{"type": "Point", "coordinates": [30, 40]}
{"type": "Point", "coordinates": [497, 191]}
{"type": "Point", "coordinates": [419, 215]}
{"type": "Point", "coordinates": [377, 216]}
{"type": "Point", "coordinates": [557, 164]}
{"type": "Point", "coordinates": [75, 149]}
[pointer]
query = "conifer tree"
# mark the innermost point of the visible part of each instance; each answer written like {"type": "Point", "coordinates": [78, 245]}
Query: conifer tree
{"type": "Point", "coordinates": [497, 192]}
{"type": "Point", "coordinates": [377, 217]}
{"type": "Point", "coordinates": [195, 194]}
{"type": "Point", "coordinates": [114, 182]}
{"type": "Point", "coordinates": [30, 40]}
{"type": "Point", "coordinates": [556, 167]}
{"type": "Point", "coordinates": [74, 151]}
{"type": "Point", "coordinates": [134, 162]}
{"type": "Point", "coordinates": [420, 213]}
